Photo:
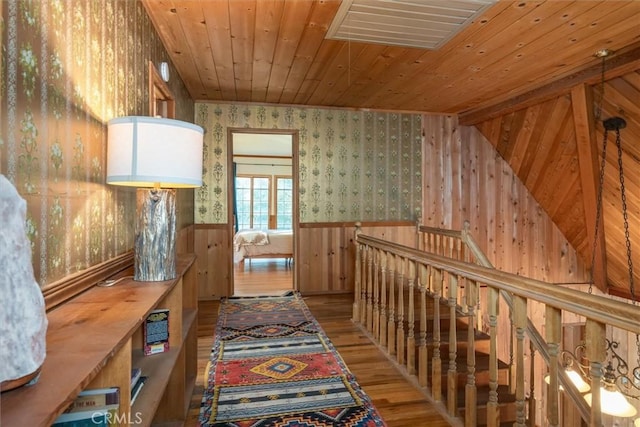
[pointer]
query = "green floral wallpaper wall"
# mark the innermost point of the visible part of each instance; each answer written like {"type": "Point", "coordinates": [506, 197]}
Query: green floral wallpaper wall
{"type": "Point", "coordinates": [69, 66]}
{"type": "Point", "coordinates": [353, 165]}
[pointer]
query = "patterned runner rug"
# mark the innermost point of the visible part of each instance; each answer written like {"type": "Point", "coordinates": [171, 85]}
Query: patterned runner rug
{"type": "Point", "coordinates": [273, 365]}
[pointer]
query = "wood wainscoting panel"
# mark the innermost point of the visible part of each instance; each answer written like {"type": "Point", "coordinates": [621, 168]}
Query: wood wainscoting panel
{"type": "Point", "coordinates": [184, 240]}
{"type": "Point", "coordinates": [213, 247]}
{"type": "Point", "coordinates": [326, 254]}
{"type": "Point", "coordinates": [325, 259]}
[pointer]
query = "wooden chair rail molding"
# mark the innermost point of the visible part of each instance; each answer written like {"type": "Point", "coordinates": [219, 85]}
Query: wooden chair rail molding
{"type": "Point", "coordinates": [58, 292]}
{"type": "Point", "coordinates": [445, 269]}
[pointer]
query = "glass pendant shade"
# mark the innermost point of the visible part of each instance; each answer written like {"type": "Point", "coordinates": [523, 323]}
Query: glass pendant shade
{"type": "Point", "coordinates": [580, 384]}
{"type": "Point", "coordinates": [614, 403]}
{"type": "Point", "coordinates": [578, 381]}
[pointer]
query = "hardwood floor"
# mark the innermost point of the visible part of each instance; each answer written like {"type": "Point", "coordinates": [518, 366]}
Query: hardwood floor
{"type": "Point", "coordinates": [397, 400]}
{"type": "Point", "coordinates": [260, 276]}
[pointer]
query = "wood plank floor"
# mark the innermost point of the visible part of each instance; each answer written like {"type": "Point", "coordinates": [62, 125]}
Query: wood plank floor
{"type": "Point", "coordinates": [399, 403]}
{"type": "Point", "coordinates": [258, 276]}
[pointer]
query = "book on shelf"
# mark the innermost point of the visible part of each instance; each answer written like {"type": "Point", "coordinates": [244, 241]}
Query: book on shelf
{"type": "Point", "coordinates": [91, 408]}
{"type": "Point", "coordinates": [135, 391]}
{"type": "Point", "coordinates": [97, 417]}
{"type": "Point", "coordinates": [135, 375]}
{"type": "Point", "coordinates": [95, 398]}
{"type": "Point", "coordinates": [156, 332]}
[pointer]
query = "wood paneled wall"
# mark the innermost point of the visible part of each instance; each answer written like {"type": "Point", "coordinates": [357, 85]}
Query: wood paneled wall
{"type": "Point", "coordinates": [326, 255]}
{"type": "Point", "coordinates": [213, 245]}
{"type": "Point", "coordinates": [465, 179]}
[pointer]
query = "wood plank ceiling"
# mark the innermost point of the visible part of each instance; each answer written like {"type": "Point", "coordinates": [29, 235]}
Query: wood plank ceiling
{"type": "Point", "coordinates": [523, 72]}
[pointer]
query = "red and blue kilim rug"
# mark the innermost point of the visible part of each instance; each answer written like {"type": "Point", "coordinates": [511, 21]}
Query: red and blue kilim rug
{"type": "Point", "coordinates": [272, 365]}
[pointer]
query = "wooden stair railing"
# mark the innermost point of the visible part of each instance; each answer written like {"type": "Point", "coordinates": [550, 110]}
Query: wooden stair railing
{"type": "Point", "coordinates": [388, 278]}
{"type": "Point", "coordinates": [548, 351]}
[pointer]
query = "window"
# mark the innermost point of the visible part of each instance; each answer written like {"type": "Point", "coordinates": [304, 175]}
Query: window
{"type": "Point", "coordinates": [255, 207]}
{"type": "Point", "coordinates": [252, 198]}
{"type": "Point", "coordinates": [284, 202]}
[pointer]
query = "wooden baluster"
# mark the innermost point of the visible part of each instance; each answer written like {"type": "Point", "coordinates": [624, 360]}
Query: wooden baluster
{"type": "Point", "coordinates": [553, 335]}
{"type": "Point", "coordinates": [452, 374]}
{"type": "Point", "coordinates": [383, 299]}
{"type": "Point", "coordinates": [369, 320]}
{"type": "Point", "coordinates": [470, 392]}
{"type": "Point", "coordinates": [363, 291]}
{"type": "Point", "coordinates": [446, 246]}
{"type": "Point", "coordinates": [532, 386]}
{"type": "Point", "coordinates": [452, 247]}
{"type": "Point", "coordinates": [411, 339]}
{"type": "Point", "coordinates": [493, 414]}
{"type": "Point", "coordinates": [436, 361]}
{"type": "Point", "coordinates": [596, 353]}
{"type": "Point", "coordinates": [460, 296]}
{"type": "Point", "coordinates": [391, 322]}
{"type": "Point", "coordinates": [520, 321]}
{"type": "Point", "coordinates": [357, 288]}
{"type": "Point", "coordinates": [512, 364]}
{"type": "Point", "coordinates": [423, 351]}
{"type": "Point", "coordinates": [376, 295]}
{"type": "Point", "coordinates": [400, 338]}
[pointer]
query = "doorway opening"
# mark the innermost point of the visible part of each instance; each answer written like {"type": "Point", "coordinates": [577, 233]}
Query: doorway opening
{"type": "Point", "coordinates": [263, 214]}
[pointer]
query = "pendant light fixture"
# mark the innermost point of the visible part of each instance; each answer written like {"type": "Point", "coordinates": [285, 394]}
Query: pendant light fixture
{"type": "Point", "coordinates": [618, 383]}
{"type": "Point", "coordinates": [615, 382]}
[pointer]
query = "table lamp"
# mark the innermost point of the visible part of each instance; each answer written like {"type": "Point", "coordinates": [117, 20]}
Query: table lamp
{"type": "Point", "coordinates": [156, 155]}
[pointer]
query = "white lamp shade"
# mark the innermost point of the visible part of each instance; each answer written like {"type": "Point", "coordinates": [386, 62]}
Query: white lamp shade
{"type": "Point", "coordinates": [152, 152]}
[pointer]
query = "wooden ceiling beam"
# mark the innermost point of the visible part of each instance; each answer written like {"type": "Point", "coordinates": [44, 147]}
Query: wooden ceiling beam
{"type": "Point", "coordinates": [587, 149]}
{"type": "Point", "coordinates": [619, 64]}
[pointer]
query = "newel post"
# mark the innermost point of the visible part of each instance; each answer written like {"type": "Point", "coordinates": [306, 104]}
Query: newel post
{"type": "Point", "coordinates": [520, 321]}
{"type": "Point", "coordinates": [596, 353]}
{"type": "Point", "coordinates": [357, 285]}
{"type": "Point", "coordinates": [553, 329]}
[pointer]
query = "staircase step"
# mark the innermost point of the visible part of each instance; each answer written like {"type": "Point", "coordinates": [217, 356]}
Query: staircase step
{"type": "Point", "coordinates": [506, 400]}
{"type": "Point", "coordinates": [506, 405]}
{"type": "Point", "coordinates": [481, 372]}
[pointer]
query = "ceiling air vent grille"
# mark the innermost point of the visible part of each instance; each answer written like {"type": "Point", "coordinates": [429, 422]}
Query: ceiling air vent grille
{"type": "Point", "coordinates": [425, 24]}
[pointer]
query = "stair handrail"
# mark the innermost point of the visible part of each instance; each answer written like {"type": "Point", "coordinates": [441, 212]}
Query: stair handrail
{"type": "Point", "coordinates": [534, 335]}
{"type": "Point", "coordinates": [604, 311]}
{"type": "Point", "coordinates": [611, 312]}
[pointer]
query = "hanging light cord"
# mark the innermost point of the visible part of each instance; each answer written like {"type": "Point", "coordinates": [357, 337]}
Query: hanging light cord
{"type": "Point", "coordinates": [626, 219]}
{"type": "Point", "coordinates": [603, 162]}
{"type": "Point", "coordinates": [598, 208]}
{"type": "Point", "coordinates": [623, 198]}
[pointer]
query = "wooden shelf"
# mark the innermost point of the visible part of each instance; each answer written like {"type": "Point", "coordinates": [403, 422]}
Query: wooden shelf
{"type": "Point", "coordinates": [95, 339]}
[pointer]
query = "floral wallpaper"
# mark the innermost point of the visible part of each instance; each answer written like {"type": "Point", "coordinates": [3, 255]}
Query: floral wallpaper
{"type": "Point", "coordinates": [353, 165]}
{"type": "Point", "coordinates": [67, 67]}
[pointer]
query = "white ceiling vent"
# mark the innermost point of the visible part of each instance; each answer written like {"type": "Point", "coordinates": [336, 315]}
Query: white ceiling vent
{"type": "Point", "coordinates": [426, 24]}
